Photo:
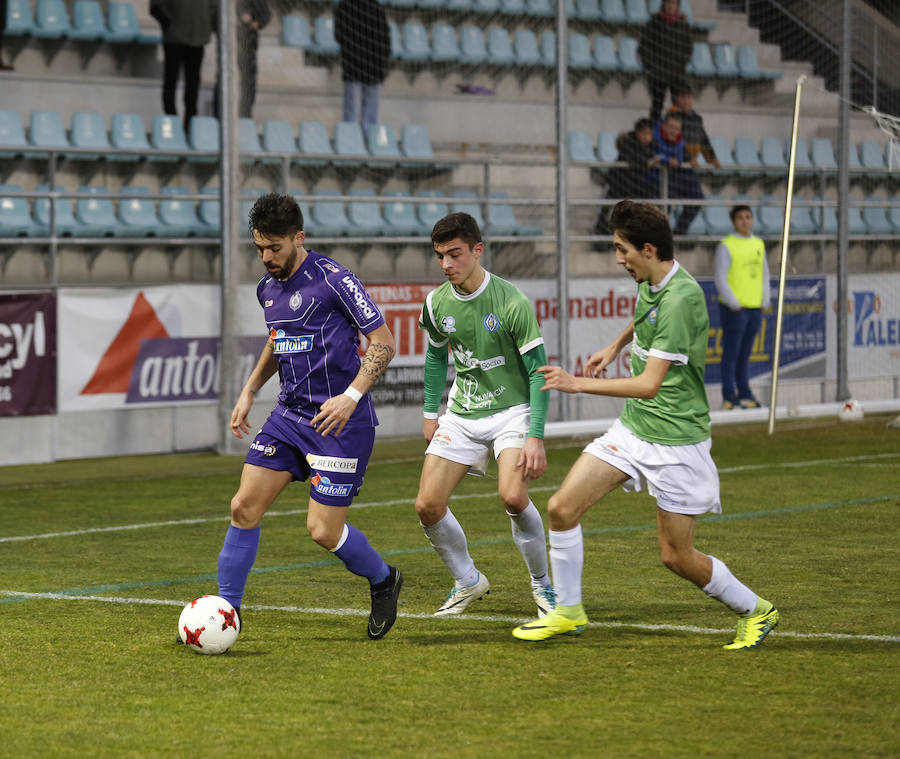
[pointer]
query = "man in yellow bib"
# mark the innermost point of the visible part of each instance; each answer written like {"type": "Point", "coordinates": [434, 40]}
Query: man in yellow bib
{"type": "Point", "coordinates": [742, 281]}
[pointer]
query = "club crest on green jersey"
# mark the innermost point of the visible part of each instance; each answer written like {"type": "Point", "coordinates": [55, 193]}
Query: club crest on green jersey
{"type": "Point", "coordinates": [491, 323]}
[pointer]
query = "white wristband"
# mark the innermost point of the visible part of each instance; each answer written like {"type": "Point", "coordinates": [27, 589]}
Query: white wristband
{"type": "Point", "coordinates": [352, 392]}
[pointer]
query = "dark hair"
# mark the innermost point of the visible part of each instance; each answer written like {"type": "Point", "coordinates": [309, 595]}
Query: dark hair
{"type": "Point", "coordinates": [276, 215]}
{"type": "Point", "coordinates": [673, 116]}
{"type": "Point", "coordinates": [642, 124]}
{"type": "Point", "coordinates": [682, 88]}
{"type": "Point", "coordinates": [737, 209]}
{"type": "Point", "coordinates": [640, 223]}
{"type": "Point", "coordinates": [456, 225]}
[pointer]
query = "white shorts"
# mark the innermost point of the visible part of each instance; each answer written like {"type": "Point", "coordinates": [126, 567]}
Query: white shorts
{"type": "Point", "coordinates": [468, 441]}
{"type": "Point", "coordinates": [683, 478]}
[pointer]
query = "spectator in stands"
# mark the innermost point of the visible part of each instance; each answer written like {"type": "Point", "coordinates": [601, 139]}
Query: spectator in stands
{"type": "Point", "coordinates": [742, 281]}
{"type": "Point", "coordinates": [361, 30]}
{"type": "Point", "coordinates": [639, 150]}
{"type": "Point", "coordinates": [696, 141]}
{"type": "Point", "coordinates": [3, 66]}
{"type": "Point", "coordinates": [683, 182]}
{"type": "Point", "coordinates": [187, 26]}
{"type": "Point", "coordinates": [665, 49]}
{"type": "Point", "coordinates": [253, 15]}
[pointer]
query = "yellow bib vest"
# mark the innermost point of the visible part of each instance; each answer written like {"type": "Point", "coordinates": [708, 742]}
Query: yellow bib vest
{"type": "Point", "coordinates": [746, 272]}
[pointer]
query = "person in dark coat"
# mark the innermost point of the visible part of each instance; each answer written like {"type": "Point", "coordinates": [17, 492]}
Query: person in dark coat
{"type": "Point", "coordinates": [3, 66]}
{"type": "Point", "coordinates": [252, 15]}
{"type": "Point", "coordinates": [696, 141]}
{"type": "Point", "coordinates": [665, 49]}
{"type": "Point", "coordinates": [361, 30]}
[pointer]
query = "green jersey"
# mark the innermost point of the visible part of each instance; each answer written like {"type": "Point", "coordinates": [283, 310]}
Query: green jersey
{"type": "Point", "coordinates": [488, 331]}
{"type": "Point", "coordinates": [671, 322]}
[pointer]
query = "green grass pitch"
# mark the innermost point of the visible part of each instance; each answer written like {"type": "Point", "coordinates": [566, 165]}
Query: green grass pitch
{"type": "Point", "coordinates": [98, 557]}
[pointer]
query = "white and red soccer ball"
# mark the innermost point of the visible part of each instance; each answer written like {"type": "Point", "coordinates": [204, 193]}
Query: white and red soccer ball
{"type": "Point", "coordinates": [850, 411]}
{"type": "Point", "coordinates": [209, 625]}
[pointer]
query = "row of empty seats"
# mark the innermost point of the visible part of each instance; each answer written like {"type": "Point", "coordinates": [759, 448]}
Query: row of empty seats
{"type": "Point", "coordinates": [769, 155]}
{"type": "Point", "coordinates": [88, 23]}
{"type": "Point", "coordinates": [100, 214]}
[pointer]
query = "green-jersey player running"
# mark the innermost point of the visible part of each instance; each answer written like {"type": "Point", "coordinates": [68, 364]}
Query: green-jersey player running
{"type": "Point", "coordinates": [661, 441]}
{"type": "Point", "coordinates": [495, 401]}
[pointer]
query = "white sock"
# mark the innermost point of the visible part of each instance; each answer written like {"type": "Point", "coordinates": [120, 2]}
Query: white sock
{"type": "Point", "coordinates": [725, 587]}
{"type": "Point", "coordinates": [449, 540]}
{"type": "Point", "coordinates": [528, 534]}
{"type": "Point", "coordinates": [567, 560]}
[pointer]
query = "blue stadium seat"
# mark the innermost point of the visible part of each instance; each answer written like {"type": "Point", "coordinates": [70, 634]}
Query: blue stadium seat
{"type": "Point", "coordinates": [51, 20]}
{"type": "Point", "coordinates": [295, 31]}
{"type": "Point", "coordinates": [548, 47]}
{"type": "Point", "coordinates": [459, 6]}
{"type": "Point", "coordinates": [876, 218]}
{"type": "Point", "coordinates": [606, 146]}
{"type": "Point", "coordinates": [823, 154]}
{"type": "Point", "coordinates": [770, 215]}
{"type": "Point", "coordinates": [499, 47]}
{"type": "Point", "coordinates": [526, 46]}
{"type": "Point", "coordinates": [89, 131]}
{"type": "Point", "coordinates": [613, 11]}
{"type": "Point", "coordinates": [825, 219]}
{"type": "Point", "coordinates": [122, 23]}
{"type": "Point", "coordinates": [179, 217]}
{"type": "Point", "coordinates": [722, 148]}
{"type": "Point", "coordinates": [636, 12]}
{"type": "Point", "coordinates": [401, 3]}
{"type": "Point", "coordinates": [397, 51]}
{"type": "Point", "coordinates": [605, 58]}
{"type": "Point", "coordinates": [853, 156]}
{"type": "Point", "coordinates": [723, 57]}
{"type": "Point", "coordinates": [580, 146]}
{"type": "Point", "coordinates": [127, 132]}
{"type": "Point", "coordinates": [313, 140]}
{"type": "Point", "coordinates": [512, 7]}
{"type": "Point", "coordinates": [415, 143]}
{"type": "Point", "coordinates": [324, 42]}
{"type": "Point", "coordinates": [278, 137]}
{"type": "Point", "coordinates": [856, 225]}
{"type": "Point", "coordinates": [628, 57]}
{"type": "Point", "coordinates": [204, 135]}
{"type": "Point", "coordinates": [746, 155]}
{"type": "Point", "coordinates": [19, 19]}
{"type": "Point", "coordinates": [701, 63]}
{"type": "Point", "coordinates": [697, 226]}
{"type": "Point", "coordinates": [718, 222]}
{"type": "Point", "coordinates": [96, 214]}
{"type": "Point", "coordinates": [382, 142]}
{"type": "Point", "coordinates": [400, 217]}
{"type": "Point", "coordinates": [248, 140]}
{"type": "Point", "coordinates": [329, 215]}
{"type": "Point", "coordinates": [588, 10]}
{"type": "Point", "coordinates": [802, 162]}
{"type": "Point", "coordinates": [444, 44]}
{"type": "Point", "coordinates": [349, 142]}
{"type": "Point", "coordinates": [502, 219]}
{"type": "Point", "coordinates": [15, 218]}
{"type": "Point", "coordinates": [771, 154]}
{"type": "Point", "coordinates": [540, 8]}
{"type": "Point", "coordinates": [209, 211]}
{"type": "Point", "coordinates": [871, 155]}
{"type": "Point", "coordinates": [364, 215]}
{"type": "Point", "coordinates": [894, 213]}
{"type": "Point", "coordinates": [167, 133]}
{"type": "Point", "coordinates": [748, 66]}
{"type": "Point", "coordinates": [802, 222]}
{"type": "Point", "coordinates": [415, 42]}
{"type": "Point", "coordinates": [66, 224]}
{"type": "Point", "coordinates": [430, 212]}
{"type": "Point", "coordinates": [580, 51]}
{"type": "Point", "coordinates": [12, 134]}
{"type": "Point", "coordinates": [467, 202]}
{"type": "Point", "coordinates": [472, 47]}
{"type": "Point", "coordinates": [88, 23]}
{"type": "Point", "coordinates": [45, 130]}
{"type": "Point", "coordinates": [138, 215]}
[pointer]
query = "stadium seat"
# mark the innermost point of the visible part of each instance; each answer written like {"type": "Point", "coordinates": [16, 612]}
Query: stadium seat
{"type": "Point", "coordinates": [401, 3]}
{"type": "Point", "coordinates": [415, 142]}
{"type": "Point", "coordinates": [802, 162]}
{"type": "Point", "coordinates": [64, 217]}
{"type": "Point", "coordinates": [467, 202]}
{"type": "Point", "coordinates": [127, 132]}
{"type": "Point", "coordinates": [138, 215]}
{"type": "Point", "coordinates": [511, 7]}
{"type": "Point", "coordinates": [364, 215]}
{"type": "Point", "coordinates": [167, 133]}
{"type": "Point", "coordinates": [209, 211]}
{"type": "Point", "coordinates": [349, 142]}
{"type": "Point", "coordinates": [96, 214]}
{"type": "Point", "coordinates": [324, 42]}
{"type": "Point", "coordinates": [825, 218]}
{"type": "Point", "coordinates": [122, 23]}
{"type": "Point", "coordinates": [486, 6]}
{"type": "Point", "coordinates": [88, 23]}
{"type": "Point", "coordinates": [876, 218]}
{"type": "Point", "coordinates": [248, 140]}
{"type": "Point", "coordinates": [723, 57]}
{"type": "Point", "coordinates": [636, 12]}
{"type": "Point", "coordinates": [502, 219]}
{"type": "Point", "coordinates": [771, 154]}
{"type": "Point", "coordinates": [802, 221]}
{"type": "Point", "coordinates": [613, 11]}
{"type": "Point", "coordinates": [748, 66]}
{"type": "Point", "coordinates": [856, 225]}
{"type": "Point", "coordinates": [894, 213]}
{"type": "Point", "coordinates": [179, 217]}
{"type": "Point", "coordinates": [540, 8]}
{"type": "Point", "coordinates": [278, 137]}
{"type": "Point", "coordinates": [459, 6]}
{"type": "Point", "coordinates": [430, 212]}
{"type": "Point", "coordinates": [432, 4]}
{"type": "Point", "coordinates": [722, 148]}
{"type": "Point", "coordinates": [628, 57]}
{"type": "Point", "coordinates": [606, 146]}
{"type": "Point", "coordinates": [580, 146]}
{"type": "Point", "coordinates": [853, 156]}
{"type": "Point", "coordinates": [45, 131]}
{"type": "Point", "coordinates": [499, 47]}
{"type": "Point", "coordinates": [397, 51]}
{"type": "Point", "coordinates": [823, 154]}
{"type": "Point", "coordinates": [472, 47]}
{"type": "Point", "coordinates": [770, 215]}
{"type": "Point", "coordinates": [15, 218]}
{"type": "Point", "coordinates": [718, 221]}
{"type": "Point", "coordinates": [204, 136]}
{"type": "Point", "coordinates": [89, 131]}
{"type": "Point", "coordinates": [312, 140]}
{"type": "Point", "coordinates": [382, 142]}
{"type": "Point", "coordinates": [526, 47]}
{"type": "Point", "coordinates": [415, 42]}
{"type": "Point", "coordinates": [604, 53]}
{"type": "Point", "coordinates": [400, 217]}
{"type": "Point", "coordinates": [329, 215]}
{"type": "Point", "coordinates": [19, 19]}
{"type": "Point", "coordinates": [295, 31]}
{"type": "Point", "coordinates": [580, 51]}
{"type": "Point", "coordinates": [588, 10]}
{"type": "Point", "coordinates": [746, 155]}
{"type": "Point", "coordinates": [701, 63]}
{"type": "Point", "coordinates": [51, 20]}
{"type": "Point", "coordinates": [871, 155]}
{"type": "Point", "coordinates": [444, 44]}
{"type": "Point", "coordinates": [697, 227]}
{"type": "Point", "coordinates": [12, 134]}
{"type": "Point", "coordinates": [548, 47]}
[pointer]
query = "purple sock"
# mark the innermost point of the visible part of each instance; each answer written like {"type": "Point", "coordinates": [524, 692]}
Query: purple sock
{"type": "Point", "coordinates": [359, 557]}
{"type": "Point", "coordinates": [235, 560]}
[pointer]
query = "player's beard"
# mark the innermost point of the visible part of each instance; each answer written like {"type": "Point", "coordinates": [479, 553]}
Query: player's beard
{"type": "Point", "coordinates": [283, 272]}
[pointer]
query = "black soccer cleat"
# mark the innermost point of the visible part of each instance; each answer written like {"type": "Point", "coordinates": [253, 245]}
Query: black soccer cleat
{"type": "Point", "coordinates": [384, 604]}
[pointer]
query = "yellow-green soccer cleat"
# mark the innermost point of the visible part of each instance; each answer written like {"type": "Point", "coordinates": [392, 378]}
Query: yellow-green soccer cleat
{"type": "Point", "coordinates": [554, 623]}
{"type": "Point", "coordinates": [752, 628]}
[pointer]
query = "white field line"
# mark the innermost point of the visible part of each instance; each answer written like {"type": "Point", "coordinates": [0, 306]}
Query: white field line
{"type": "Point", "coordinates": [408, 501]}
{"type": "Point", "coordinates": [447, 620]}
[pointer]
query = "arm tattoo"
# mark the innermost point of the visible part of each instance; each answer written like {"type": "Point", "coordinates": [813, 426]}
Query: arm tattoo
{"type": "Point", "coordinates": [378, 356]}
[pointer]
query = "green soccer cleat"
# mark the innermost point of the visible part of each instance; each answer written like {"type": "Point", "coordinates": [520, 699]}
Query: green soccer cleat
{"type": "Point", "coordinates": [752, 628]}
{"type": "Point", "coordinates": [554, 623]}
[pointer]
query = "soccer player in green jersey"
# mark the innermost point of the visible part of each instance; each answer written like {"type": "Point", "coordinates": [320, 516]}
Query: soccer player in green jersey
{"type": "Point", "coordinates": [495, 400]}
{"type": "Point", "coordinates": [661, 441]}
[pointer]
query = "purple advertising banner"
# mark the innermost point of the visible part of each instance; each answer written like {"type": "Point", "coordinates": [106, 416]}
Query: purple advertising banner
{"type": "Point", "coordinates": [27, 354]}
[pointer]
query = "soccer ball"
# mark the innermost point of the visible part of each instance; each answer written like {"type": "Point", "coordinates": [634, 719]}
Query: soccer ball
{"type": "Point", "coordinates": [850, 411]}
{"type": "Point", "coordinates": [209, 625]}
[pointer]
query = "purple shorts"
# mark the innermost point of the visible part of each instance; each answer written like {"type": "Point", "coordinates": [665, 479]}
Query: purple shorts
{"type": "Point", "coordinates": [335, 466]}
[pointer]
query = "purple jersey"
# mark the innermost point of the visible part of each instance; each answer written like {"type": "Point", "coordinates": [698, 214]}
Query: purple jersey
{"type": "Point", "coordinates": [314, 320]}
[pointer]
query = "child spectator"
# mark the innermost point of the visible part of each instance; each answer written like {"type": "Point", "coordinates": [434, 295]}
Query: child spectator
{"type": "Point", "coordinates": [696, 141]}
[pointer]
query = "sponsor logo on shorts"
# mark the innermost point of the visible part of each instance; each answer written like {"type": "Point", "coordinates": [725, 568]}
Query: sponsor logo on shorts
{"type": "Point", "coordinates": [510, 437]}
{"type": "Point", "coordinates": [265, 450]}
{"type": "Point", "coordinates": [296, 301]}
{"type": "Point", "coordinates": [491, 323]}
{"type": "Point", "coordinates": [441, 439]}
{"type": "Point", "coordinates": [332, 463]}
{"type": "Point", "coordinates": [326, 487]}
{"type": "Point", "coordinates": [448, 324]}
{"type": "Point", "coordinates": [282, 343]}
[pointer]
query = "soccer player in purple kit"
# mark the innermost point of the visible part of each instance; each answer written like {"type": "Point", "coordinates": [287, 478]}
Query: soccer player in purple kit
{"type": "Point", "coordinates": [323, 426]}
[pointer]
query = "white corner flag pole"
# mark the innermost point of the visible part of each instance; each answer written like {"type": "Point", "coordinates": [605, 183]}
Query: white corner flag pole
{"type": "Point", "coordinates": [785, 239]}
